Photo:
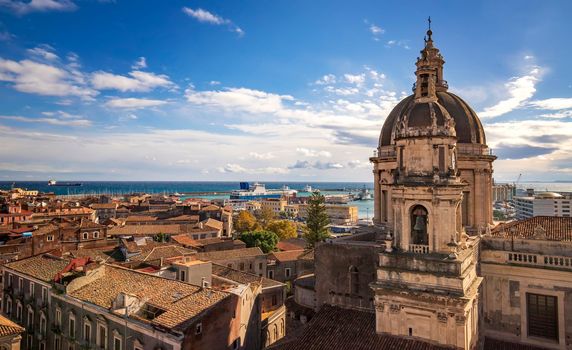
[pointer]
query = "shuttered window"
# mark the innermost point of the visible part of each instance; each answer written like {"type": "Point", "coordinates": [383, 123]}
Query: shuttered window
{"type": "Point", "coordinates": [542, 316]}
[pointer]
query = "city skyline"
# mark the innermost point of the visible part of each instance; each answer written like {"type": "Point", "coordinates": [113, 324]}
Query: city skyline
{"type": "Point", "coordinates": [193, 90]}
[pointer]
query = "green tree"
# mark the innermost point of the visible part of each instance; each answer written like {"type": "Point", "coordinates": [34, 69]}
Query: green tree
{"type": "Point", "coordinates": [317, 220]}
{"type": "Point", "coordinates": [245, 222]}
{"type": "Point", "coordinates": [284, 229]}
{"type": "Point", "coordinates": [266, 240]}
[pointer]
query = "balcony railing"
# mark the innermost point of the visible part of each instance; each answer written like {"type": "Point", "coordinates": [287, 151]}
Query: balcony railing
{"type": "Point", "coordinates": [543, 260]}
{"type": "Point", "coordinates": [419, 248]}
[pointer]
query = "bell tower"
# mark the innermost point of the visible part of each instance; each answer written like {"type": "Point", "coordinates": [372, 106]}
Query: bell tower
{"type": "Point", "coordinates": [427, 284]}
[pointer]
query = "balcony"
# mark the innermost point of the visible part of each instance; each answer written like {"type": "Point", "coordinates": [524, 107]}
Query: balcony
{"type": "Point", "coordinates": [528, 259]}
{"type": "Point", "coordinates": [419, 248]}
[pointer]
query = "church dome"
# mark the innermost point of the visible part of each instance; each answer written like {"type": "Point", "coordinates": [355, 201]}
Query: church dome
{"type": "Point", "coordinates": [468, 127]}
{"type": "Point", "coordinates": [432, 110]}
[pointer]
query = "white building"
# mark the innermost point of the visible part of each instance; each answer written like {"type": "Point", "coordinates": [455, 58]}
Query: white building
{"type": "Point", "coordinates": [542, 204]}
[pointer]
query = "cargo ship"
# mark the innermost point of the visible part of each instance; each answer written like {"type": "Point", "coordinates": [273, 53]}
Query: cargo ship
{"type": "Point", "coordinates": [259, 191]}
{"type": "Point", "coordinates": [64, 184]}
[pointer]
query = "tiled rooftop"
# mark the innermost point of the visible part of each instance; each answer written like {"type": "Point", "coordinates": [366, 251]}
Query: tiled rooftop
{"type": "Point", "coordinates": [289, 255]}
{"type": "Point", "coordinates": [181, 301]}
{"type": "Point", "coordinates": [43, 267]}
{"type": "Point", "coordinates": [292, 244]}
{"type": "Point", "coordinates": [8, 327]}
{"type": "Point", "coordinates": [142, 230]}
{"type": "Point", "coordinates": [230, 254]}
{"type": "Point", "coordinates": [495, 344]}
{"type": "Point", "coordinates": [336, 328]}
{"type": "Point", "coordinates": [539, 227]}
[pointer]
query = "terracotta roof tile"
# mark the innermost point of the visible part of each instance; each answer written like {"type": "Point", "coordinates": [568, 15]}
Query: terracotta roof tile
{"type": "Point", "coordinates": [495, 344]}
{"type": "Point", "coordinates": [142, 230]}
{"type": "Point", "coordinates": [539, 227]}
{"type": "Point", "coordinates": [336, 328]}
{"type": "Point", "coordinates": [289, 255]}
{"type": "Point", "coordinates": [181, 301]}
{"type": "Point", "coordinates": [292, 244]}
{"type": "Point", "coordinates": [8, 327]}
{"type": "Point", "coordinates": [230, 254]}
{"type": "Point", "coordinates": [43, 267]}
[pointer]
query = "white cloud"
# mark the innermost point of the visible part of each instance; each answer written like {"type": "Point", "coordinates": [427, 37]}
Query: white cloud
{"type": "Point", "coordinates": [312, 152]}
{"type": "Point", "coordinates": [6, 36]}
{"type": "Point", "coordinates": [205, 16]}
{"type": "Point", "coordinates": [138, 81]}
{"type": "Point", "coordinates": [44, 79]}
{"type": "Point", "coordinates": [304, 164]}
{"type": "Point", "coordinates": [356, 79]}
{"type": "Point", "coordinates": [519, 90]}
{"type": "Point", "coordinates": [214, 82]}
{"type": "Point", "coordinates": [51, 121]}
{"type": "Point", "coordinates": [400, 43]}
{"type": "Point", "coordinates": [241, 99]}
{"type": "Point", "coordinates": [552, 103]}
{"type": "Point", "coordinates": [261, 156]}
{"type": "Point", "coordinates": [24, 7]}
{"type": "Point", "coordinates": [140, 63]}
{"type": "Point", "coordinates": [376, 30]}
{"type": "Point", "coordinates": [44, 51]}
{"type": "Point", "coordinates": [326, 80]}
{"type": "Point", "coordinates": [133, 103]}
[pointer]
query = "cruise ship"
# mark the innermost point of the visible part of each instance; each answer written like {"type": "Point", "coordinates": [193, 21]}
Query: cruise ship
{"type": "Point", "coordinates": [259, 191]}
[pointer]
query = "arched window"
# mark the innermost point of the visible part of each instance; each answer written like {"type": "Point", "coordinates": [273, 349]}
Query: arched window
{"type": "Point", "coordinates": [419, 222]}
{"type": "Point", "coordinates": [354, 280]}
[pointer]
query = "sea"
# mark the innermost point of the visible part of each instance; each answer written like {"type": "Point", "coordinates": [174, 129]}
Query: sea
{"type": "Point", "coordinates": [365, 207]}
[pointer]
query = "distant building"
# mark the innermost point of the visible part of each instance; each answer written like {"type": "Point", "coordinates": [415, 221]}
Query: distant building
{"type": "Point", "coordinates": [503, 192]}
{"type": "Point", "coordinates": [542, 204]}
{"type": "Point", "coordinates": [275, 205]}
{"type": "Point", "coordinates": [339, 214]}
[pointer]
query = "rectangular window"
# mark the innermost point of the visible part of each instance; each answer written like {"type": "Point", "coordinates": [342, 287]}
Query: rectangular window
{"type": "Point", "coordinates": [31, 291]}
{"type": "Point", "coordinates": [116, 343]}
{"type": "Point", "coordinates": [58, 343]}
{"type": "Point", "coordinates": [288, 272]}
{"type": "Point", "coordinates": [465, 208]}
{"type": "Point", "coordinates": [96, 234]}
{"type": "Point", "coordinates": [542, 313]}
{"type": "Point", "coordinates": [44, 294]}
{"type": "Point", "coordinates": [30, 320]}
{"type": "Point", "coordinates": [102, 337]}
{"type": "Point", "coordinates": [86, 235]}
{"type": "Point", "coordinates": [50, 238]}
{"type": "Point", "coordinates": [87, 332]}
{"type": "Point", "coordinates": [274, 299]}
{"type": "Point", "coordinates": [42, 346]}
{"type": "Point", "coordinates": [72, 327]}
{"type": "Point", "coordinates": [29, 341]}
{"type": "Point", "coordinates": [182, 276]}
{"type": "Point", "coordinates": [9, 280]}
{"type": "Point", "coordinates": [58, 317]}
{"type": "Point", "coordinates": [384, 206]}
{"type": "Point", "coordinates": [20, 284]}
{"type": "Point", "coordinates": [199, 328]}
{"type": "Point", "coordinates": [43, 324]}
{"type": "Point", "coordinates": [19, 312]}
{"type": "Point", "coordinates": [241, 266]}
{"type": "Point", "coordinates": [271, 274]}
{"type": "Point", "coordinates": [260, 266]}
{"type": "Point", "coordinates": [441, 159]}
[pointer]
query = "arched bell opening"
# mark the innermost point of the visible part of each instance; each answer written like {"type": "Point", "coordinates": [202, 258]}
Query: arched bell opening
{"type": "Point", "coordinates": [419, 222]}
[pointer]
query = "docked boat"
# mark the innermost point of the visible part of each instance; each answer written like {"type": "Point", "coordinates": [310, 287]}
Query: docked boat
{"type": "Point", "coordinates": [259, 191]}
{"type": "Point", "coordinates": [307, 188]}
{"type": "Point", "coordinates": [64, 184]}
{"type": "Point", "coordinates": [364, 195]}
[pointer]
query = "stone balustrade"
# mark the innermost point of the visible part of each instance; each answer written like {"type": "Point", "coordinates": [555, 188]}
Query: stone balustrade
{"type": "Point", "coordinates": [563, 262]}
{"type": "Point", "coordinates": [419, 248]}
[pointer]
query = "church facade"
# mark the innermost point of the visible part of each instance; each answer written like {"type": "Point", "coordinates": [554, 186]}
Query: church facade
{"type": "Point", "coordinates": [433, 268]}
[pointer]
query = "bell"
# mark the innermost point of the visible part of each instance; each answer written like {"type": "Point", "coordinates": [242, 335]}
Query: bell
{"type": "Point", "coordinates": [419, 224]}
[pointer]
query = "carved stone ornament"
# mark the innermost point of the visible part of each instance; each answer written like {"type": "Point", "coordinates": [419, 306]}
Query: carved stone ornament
{"type": "Point", "coordinates": [442, 317]}
{"type": "Point", "coordinates": [394, 308]}
{"type": "Point", "coordinates": [540, 233]}
{"type": "Point", "coordinates": [379, 307]}
{"type": "Point", "coordinates": [460, 319]}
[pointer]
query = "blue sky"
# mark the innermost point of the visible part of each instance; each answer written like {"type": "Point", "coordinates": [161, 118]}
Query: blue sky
{"type": "Point", "coordinates": [268, 90]}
